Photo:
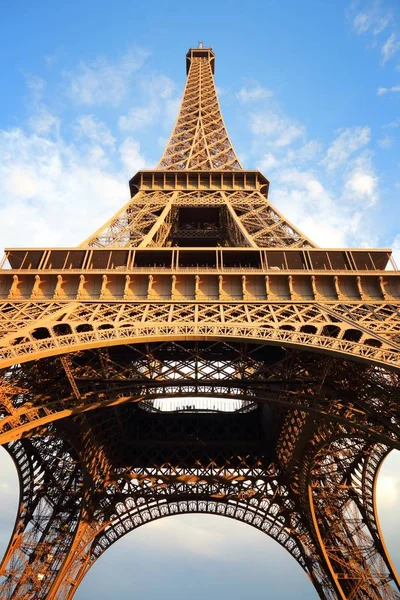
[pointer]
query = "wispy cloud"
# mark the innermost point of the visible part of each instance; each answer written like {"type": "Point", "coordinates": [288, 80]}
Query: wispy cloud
{"type": "Point", "coordinates": [87, 126]}
{"type": "Point", "coordinates": [393, 124]}
{"type": "Point", "coordinates": [41, 119]}
{"type": "Point", "coordinates": [138, 117]}
{"type": "Point", "coordinates": [306, 201]}
{"type": "Point", "coordinates": [103, 81]}
{"type": "Point", "coordinates": [327, 193]}
{"type": "Point", "coordinates": [375, 21]}
{"type": "Point", "coordinates": [298, 157]}
{"type": "Point", "coordinates": [131, 156]}
{"type": "Point", "coordinates": [51, 185]}
{"type": "Point", "coordinates": [44, 122]}
{"type": "Point", "coordinates": [333, 212]}
{"type": "Point", "coordinates": [371, 19]}
{"type": "Point", "coordinates": [385, 142]}
{"type": "Point", "coordinates": [390, 48]}
{"type": "Point", "coordinates": [253, 93]}
{"type": "Point", "coordinates": [388, 90]}
{"type": "Point", "coordinates": [158, 86]}
{"type": "Point", "coordinates": [360, 180]}
{"type": "Point", "coordinates": [279, 130]}
{"type": "Point", "coordinates": [268, 162]}
{"type": "Point", "coordinates": [305, 153]}
{"type": "Point", "coordinates": [159, 102]}
{"type": "Point", "coordinates": [348, 142]}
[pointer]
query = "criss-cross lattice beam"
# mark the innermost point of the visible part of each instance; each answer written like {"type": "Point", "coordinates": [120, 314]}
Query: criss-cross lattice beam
{"type": "Point", "coordinates": [35, 397]}
{"type": "Point", "coordinates": [340, 469]}
{"type": "Point", "coordinates": [199, 287]}
{"type": "Point", "coordinates": [48, 514]}
{"type": "Point", "coordinates": [95, 324]}
{"type": "Point", "coordinates": [199, 140]}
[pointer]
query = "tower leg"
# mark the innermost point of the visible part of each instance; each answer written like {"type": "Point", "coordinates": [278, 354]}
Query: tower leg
{"type": "Point", "coordinates": [48, 515]}
{"type": "Point", "coordinates": [340, 490]}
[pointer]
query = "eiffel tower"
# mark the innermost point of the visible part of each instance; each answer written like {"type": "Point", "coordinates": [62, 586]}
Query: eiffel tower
{"type": "Point", "coordinates": [199, 354]}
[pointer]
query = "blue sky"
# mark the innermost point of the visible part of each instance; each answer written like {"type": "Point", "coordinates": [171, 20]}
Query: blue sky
{"type": "Point", "coordinates": [310, 93]}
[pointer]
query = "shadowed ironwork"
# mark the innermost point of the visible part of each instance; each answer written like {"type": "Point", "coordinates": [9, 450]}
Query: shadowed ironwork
{"type": "Point", "coordinates": [199, 354]}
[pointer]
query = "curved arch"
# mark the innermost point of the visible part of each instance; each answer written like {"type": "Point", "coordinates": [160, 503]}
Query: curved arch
{"type": "Point", "coordinates": [248, 557]}
{"type": "Point", "coordinates": [233, 509]}
{"type": "Point", "coordinates": [372, 353]}
{"type": "Point", "coordinates": [260, 373]}
{"type": "Point", "coordinates": [236, 510]}
{"type": "Point", "coordinates": [341, 476]}
{"type": "Point", "coordinates": [47, 518]}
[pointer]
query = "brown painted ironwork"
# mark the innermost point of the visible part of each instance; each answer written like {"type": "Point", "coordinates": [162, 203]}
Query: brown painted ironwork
{"type": "Point", "coordinates": [198, 353]}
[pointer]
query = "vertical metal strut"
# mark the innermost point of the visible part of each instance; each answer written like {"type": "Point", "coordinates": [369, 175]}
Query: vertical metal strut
{"type": "Point", "coordinates": [199, 354]}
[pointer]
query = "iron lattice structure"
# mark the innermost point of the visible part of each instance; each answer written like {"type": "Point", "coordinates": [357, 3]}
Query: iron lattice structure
{"type": "Point", "coordinates": [198, 353]}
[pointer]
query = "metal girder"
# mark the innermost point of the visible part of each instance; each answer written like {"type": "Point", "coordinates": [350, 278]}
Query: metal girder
{"type": "Point", "coordinates": [95, 324]}
{"type": "Point", "coordinates": [198, 288]}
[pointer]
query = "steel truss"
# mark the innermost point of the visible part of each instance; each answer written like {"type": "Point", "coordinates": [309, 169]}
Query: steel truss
{"type": "Point", "coordinates": [263, 464]}
{"type": "Point", "coordinates": [199, 354]}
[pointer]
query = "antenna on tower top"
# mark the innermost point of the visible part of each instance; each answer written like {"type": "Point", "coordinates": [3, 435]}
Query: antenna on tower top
{"type": "Point", "coordinates": [200, 45]}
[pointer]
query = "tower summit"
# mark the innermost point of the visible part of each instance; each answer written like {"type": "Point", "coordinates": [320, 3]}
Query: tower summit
{"type": "Point", "coordinates": [199, 195]}
{"type": "Point", "coordinates": [199, 140]}
{"type": "Point", "coordinates": [198, 353]}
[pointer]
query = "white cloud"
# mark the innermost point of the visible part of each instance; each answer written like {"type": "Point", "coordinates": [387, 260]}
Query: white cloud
{"type": "Point", "coordinates": [370, 21]}
{"type": "Point", "coordinates": [385, 142]}
{"type": "Point", "coordinates": [308, 203]}
{"type": "Point", "coordinates": [280, 131]}
{"type": "Point", "coordinates": [159, 102]}
{"type": "Point", "coordinates": [305, 153]}
{"type": "Point", "coordinates": [268, 161]}
{"type": "Point", "coordinates": [158, 86]}
{"type": "Point", "coordinates": [291, 157]}
{"type": "Point", "coordinates": [347, 143]}
{"type": "Point", "coordinates": [139, 117]}
{"type": "Point", "coordinates": [103, 81]}
{"type": "Point", "coordinates": [59, 192]}
{"type": "Point", "coordinates": [254, 93]}
{"type": "Point", "coordinates": [131, 157]}
{"type": "Point", "coordinates": [330, 205]}
{"type": "Point", "coordinates": [36, 85]}
{"type": "Point", "coordinates": [390, 48]}
{"type": "Point", "coordinates": [171, 108]}
{"type": "Point", "coordinates": [193, 536]}
{"type": "Point", "coordinates": [305, 180]}
{"type": "Point", "coordinates": [361, 181]}
{"type": "Point", "coordinates": [395, 245]}
{"type": "Point", "coordinates": [21, 184]}
{"type": "Point", "coordinates": [43, 122]}
{"type": "Point", "coordinates": [90, 128]}
{"type": "Point", "coordinates": [330, 208]}
{"type": "Point", "coordinates": [388, 494]}
{"type": "Point", "coordinates": [394, 124]}
{"type": "Point", "coordinates": [362, 184]}
{"type": "Point", "coordinates": [387, 90]}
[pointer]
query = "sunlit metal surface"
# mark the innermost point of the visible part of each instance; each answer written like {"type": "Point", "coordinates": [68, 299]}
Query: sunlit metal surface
{"type": "Point", "coordinates": [198, 353]}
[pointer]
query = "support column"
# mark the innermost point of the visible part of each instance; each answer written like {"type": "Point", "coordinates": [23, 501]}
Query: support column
{"type": "Point", "coordinates": [345, 528]}
{"type": "Point", "coordinates": [48, 515]}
